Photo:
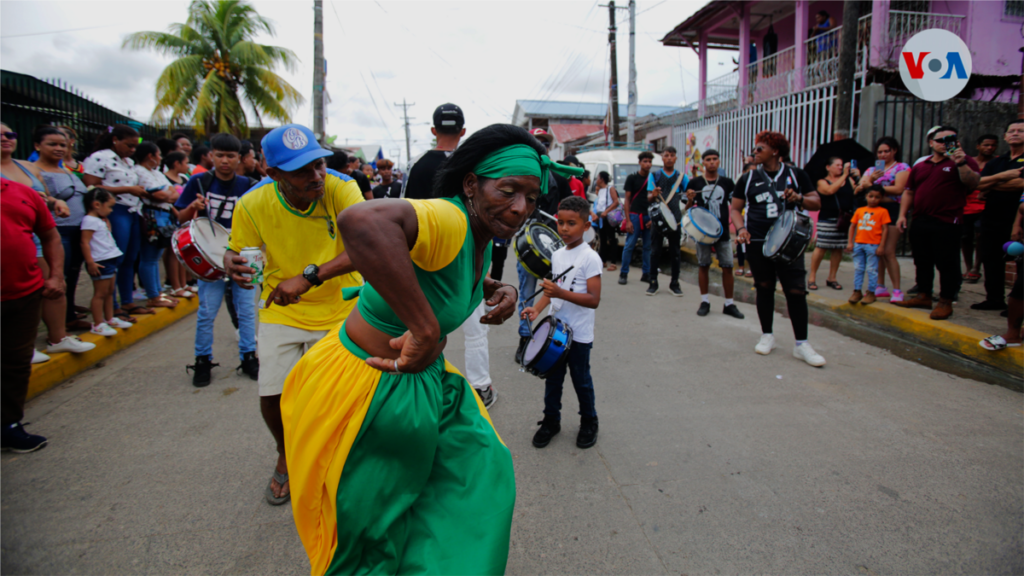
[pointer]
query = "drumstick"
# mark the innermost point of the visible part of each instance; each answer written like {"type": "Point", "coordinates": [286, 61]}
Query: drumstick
{"type": "Point", "coordinates": [209, 214]}
{"type": "Point", "coordinates": [546, 214]}
{"type": "Point", "coordinates": [556, 279]}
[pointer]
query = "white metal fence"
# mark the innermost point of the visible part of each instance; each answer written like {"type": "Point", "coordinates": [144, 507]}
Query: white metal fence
{"type": "Point", "coordinates": [805, 118]}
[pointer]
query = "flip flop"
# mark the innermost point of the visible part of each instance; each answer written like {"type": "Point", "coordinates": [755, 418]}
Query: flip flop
{"type": "Point", "coordinates": [997, 343]}
{"type": "Point", "coordinates": [835, 285]}
{"type": "Point", "coordinates": [282, 479]}
{"type": "Point", "coordinates": [161, 302]}
{"type": "Point", "coordinates": [139, 310]}
{"type": "Point", "coordinates": [123, 315]}
{"type": "Point", "coordinates": [812, 286]}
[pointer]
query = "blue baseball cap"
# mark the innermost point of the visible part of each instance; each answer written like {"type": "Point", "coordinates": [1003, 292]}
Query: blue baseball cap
{"type": "Point", "coordinates": [291, 147]}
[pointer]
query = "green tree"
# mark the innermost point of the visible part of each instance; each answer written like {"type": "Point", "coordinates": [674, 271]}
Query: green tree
{"type": "Point", "coordinates": [218, 67]}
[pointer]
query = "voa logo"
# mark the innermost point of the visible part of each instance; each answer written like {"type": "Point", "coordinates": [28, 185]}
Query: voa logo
{"type": "Point", "coordinates": [935, 65]}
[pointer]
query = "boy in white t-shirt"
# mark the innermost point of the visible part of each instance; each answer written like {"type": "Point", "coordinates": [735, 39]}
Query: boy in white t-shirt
{"type": "Point", "coordinates": [574, 298]}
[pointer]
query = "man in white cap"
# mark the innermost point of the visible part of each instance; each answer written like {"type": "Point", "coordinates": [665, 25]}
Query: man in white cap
{"type": "Point", "coordinates": [294, 218]}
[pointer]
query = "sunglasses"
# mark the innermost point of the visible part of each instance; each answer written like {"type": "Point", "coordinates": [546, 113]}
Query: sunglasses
{"type": "Point", "coordinates": [759, 149]}
{"type": "Point", "coordinates": [9, 135]}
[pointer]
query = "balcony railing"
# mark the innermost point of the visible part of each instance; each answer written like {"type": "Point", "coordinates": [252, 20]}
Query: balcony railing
{"type": "Point", "coordinates": [721, 89]}
{"type": "Point", "coordinates": [903, 25]}
{"type": "Point", "coordinates": [771, 77]}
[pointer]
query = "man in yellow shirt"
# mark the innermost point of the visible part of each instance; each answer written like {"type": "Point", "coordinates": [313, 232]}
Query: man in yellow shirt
{"type": "Point", "coordinates": [293, 217]}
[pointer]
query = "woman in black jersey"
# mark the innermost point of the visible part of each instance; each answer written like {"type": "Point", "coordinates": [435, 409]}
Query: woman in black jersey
{"type": "Point", "coordinates": [766, 191]}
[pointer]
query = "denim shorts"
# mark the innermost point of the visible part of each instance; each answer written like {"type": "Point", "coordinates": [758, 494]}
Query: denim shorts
{"type": "Point", "coordinates": [723, 249]}
{"type": "Point", "coordinates": [108, 270]}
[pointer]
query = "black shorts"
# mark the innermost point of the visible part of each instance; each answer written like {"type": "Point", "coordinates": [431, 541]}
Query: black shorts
{"type": "Point", "coordinates": [793, 276]}
{"type": "Point", "coordinates": [894, 211]}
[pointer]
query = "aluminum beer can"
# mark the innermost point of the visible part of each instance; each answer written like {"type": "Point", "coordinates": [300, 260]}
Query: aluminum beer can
{"type": "Point", "coordinates": [255, 260]}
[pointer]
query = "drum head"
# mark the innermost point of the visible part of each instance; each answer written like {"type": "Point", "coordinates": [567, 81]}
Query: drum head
{"type": "Point", "coordinates": [705, 221]}
{"type": "Point", "coordinates": [212, 241]}
{"type": "Point", "coordinates": [543, 239]}
{"type": "Point", "coordinates": [778, 234]}
{"type": "Point", "coordinates": [536, 345]}
{"type": "Point", "coordinates": [670, 218]}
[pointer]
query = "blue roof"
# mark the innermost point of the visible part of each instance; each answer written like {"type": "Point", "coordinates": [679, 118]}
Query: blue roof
{"type": "Point", "coordinates": [595, 110]}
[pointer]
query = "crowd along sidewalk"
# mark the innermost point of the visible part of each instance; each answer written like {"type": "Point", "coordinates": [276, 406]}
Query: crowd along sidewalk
{"type": "Point", "coordinates": [958, 335]}
{"type": "Point", "coordinates": [64, 365]}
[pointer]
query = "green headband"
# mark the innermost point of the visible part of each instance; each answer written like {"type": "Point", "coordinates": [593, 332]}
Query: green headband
{"type": "Point", "coordinates": [522, 160]}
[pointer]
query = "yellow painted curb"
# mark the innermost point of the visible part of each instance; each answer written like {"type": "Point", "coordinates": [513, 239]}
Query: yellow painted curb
{"type": "Point", "coordinates": [942, 335]}
{"type": "Point", "coordinates": [64, 365]}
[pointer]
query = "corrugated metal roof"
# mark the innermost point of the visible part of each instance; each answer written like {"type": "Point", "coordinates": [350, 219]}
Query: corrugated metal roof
{"type": "Point", "coordinates": [567, 132]}
{"type": "Point", "coordinates": [595, 110]}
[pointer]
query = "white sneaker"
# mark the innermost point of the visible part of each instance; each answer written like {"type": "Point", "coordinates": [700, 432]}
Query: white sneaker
{"type": "Point", "coordinates": [807, 354]}
{"type": "Point", "coordinates": [38, 357]}
{"type": "Point", "coordinates": [70, 344]}
{"type": "Point", "coordinates": [103, 330]}
{"type": "Point", "coordinates": [766, 344]}
{"type": "Point", "coordinates": [118, 323]}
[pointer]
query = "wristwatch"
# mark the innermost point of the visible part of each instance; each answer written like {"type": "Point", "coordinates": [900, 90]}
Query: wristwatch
{"type": "Point", "coordinates": [310, 274]}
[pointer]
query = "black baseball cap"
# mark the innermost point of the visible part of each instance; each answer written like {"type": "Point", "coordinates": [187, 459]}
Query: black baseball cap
{"type": "Point", "coordinates": [448, 118]}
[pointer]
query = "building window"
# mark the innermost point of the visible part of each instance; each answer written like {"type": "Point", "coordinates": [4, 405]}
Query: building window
{"type": "Point", "coordinates": [909, 5]}
{"type": "Point", "coordinates": [659, 144]}
{"type": "Point", "coordinates": [1013, 8]}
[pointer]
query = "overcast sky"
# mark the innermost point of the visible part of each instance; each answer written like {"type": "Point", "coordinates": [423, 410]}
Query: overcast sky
{"type": "Point", "coordinates": [481, 55]}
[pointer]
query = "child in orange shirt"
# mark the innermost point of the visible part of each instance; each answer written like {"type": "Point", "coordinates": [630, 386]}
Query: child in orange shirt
{"type": "Point", "coordinates": [868, 227]}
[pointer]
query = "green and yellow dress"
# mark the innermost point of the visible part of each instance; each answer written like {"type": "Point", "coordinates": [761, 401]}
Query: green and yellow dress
{"type": "Point", "coordinates": [400, 473]}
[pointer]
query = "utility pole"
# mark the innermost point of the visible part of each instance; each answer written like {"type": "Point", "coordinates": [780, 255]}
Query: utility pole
{"type": "Point", "coordinates": [405, 112]}
{"type": "Point", "coordinates": [847, 66]}
{"type": "Point", "coordinates": [318, 70]}
{"type": "Point", "coordinates": [631, 108]}
{"type": "Point", "coordinates": [613, 87]}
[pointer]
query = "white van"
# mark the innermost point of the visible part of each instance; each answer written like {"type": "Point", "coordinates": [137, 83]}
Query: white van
{"type": "Point", "coordinates": [617, 162]}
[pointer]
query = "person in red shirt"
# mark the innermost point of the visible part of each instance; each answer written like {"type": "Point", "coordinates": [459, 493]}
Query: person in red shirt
{"type": "Point", "coordinates": [22, 289]}
{"type": "Point", "coordinates": [937, 191]}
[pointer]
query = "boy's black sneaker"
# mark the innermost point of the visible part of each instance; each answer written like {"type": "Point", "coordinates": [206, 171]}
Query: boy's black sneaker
{"type": "Point", "coordinates": [622, 278]}
{"type": "Point", "coordinates": [645, 278]}
{"type": "Point", "coordinates": [250, 365]}
{"type": "Point", "coordinates": [705, 307]}
{"type": "Point", "coordinates": [548, 428]}
{"type": "Point", "coordinates": [732, 310]}
{"type": "Point", "coordinates": [201, 371]}
{"type": "Point", "coordinates": [652, 289]}
{"type": "Point", "coordinates": [523, 341]}
{"type": "Point", "coordinates": [989, 305]}
{"type": "Point", "coordinates": [675, 290]}
{"type": "Point", "coordinates": [588, 432]}
{"type": "Point", "coordinates": [13, 438]}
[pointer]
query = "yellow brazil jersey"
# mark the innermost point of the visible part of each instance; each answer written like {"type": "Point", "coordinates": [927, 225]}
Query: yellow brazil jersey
{"type": "Point", "coordinates": [291, 240]}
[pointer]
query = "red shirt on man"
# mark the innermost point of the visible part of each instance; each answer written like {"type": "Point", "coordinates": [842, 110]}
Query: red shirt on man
{"type": "Point", "coordinates": [938, 191]}
{"type": "Point", "coordinates": [22, 213]}
{"type": "Point", "coordinates": [577, 187]}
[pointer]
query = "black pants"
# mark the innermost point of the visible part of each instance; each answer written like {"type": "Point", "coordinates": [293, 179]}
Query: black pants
{"type": "Point", "coordinates": [936, 245]}
{"type": "Point", "coordinates": [741, 254]}
{"type": "Point", "coordinates": [19, 320]}
{"type": "Point", "coordinates": [793, 277]}
{"type": "Point", "coordinates": [674, 240]}
{"type": "Point", "coordinates": [995, 230]}
{"type": "Point", "coordinates": [608, 248]}
{"type": "Point", "coordinates": [498, 255]}
{"type": "Point", "coordinates": [71, 239]}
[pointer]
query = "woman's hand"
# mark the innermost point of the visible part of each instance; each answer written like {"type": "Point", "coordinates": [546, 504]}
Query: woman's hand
{"type": "Point", "coordinates": [60, 208]}
{"type": "Point", "coordinates": [137, 191]}
{"type": "Point", "coordinates": [93, 268]}
{"type": "Point", "coordinates": [416, 355]}
{"type": "Point", "coordinates": [503, 302]}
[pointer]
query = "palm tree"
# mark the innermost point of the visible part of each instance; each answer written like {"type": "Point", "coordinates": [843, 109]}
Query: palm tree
{"type": "Point", "coordinates": [218, 67]}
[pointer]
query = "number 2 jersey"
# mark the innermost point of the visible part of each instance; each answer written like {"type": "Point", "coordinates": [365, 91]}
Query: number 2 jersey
{"type": "Point", "coordinates": [764, 193]}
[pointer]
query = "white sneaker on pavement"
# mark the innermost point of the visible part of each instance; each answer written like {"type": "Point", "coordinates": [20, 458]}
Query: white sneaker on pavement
{"type": "Point", "coordinates": [807, 354]}
{"type": "Point", "coordinates": [103, 329]}
{"type": "Point", "coordinates": [38, 357]}
{"type": "Point", "coordinates": [70, 344]}
{"type": "Point", "coordinates": [766, 344]}
{"type": "Point", "coordinates": [118, 323]}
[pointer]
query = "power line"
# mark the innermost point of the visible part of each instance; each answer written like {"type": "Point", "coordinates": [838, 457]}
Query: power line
{"type": "Point", "coordinates": [59, 31]}
{"type": "Point", "coordinates": [651, 8]}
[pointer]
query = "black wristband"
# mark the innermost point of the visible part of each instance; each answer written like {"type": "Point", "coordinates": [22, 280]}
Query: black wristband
{"type": "Point", "coordinates": [961, 164]}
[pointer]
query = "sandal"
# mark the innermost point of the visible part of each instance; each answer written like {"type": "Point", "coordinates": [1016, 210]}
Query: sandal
{"type": "Point", "coordinates": [739, 271]}
{"type": "Point", "coordinates": [139, 309]}
{"type": "Point", "coordinates": [125, 316]}
{"type": "Point", "coordinates": [812, 286]}
{"type": "Point", "coordinates": [997, 343]}
{"type": "Point", "coordinates": [972, 277]}
{"type": "Point", "coordinates": [182, 293]}
{"type": "Point", "coordinates": [78, 325]}
{"type": "Point", "coordinates": [749, 274]}
{"type": "Point", "coordinates": [161, 302]}
{"type": "Point", "coordinates": [282, 479]}
{"type": "Point", "coordinates": [612, 267]}
{"type": "Point", "coordinates": [833, 284]}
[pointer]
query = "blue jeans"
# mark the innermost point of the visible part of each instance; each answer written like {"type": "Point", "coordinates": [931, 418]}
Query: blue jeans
{"type": "Point", "coordinates": [627, 252]}
{"type": "Point", "coordinates": [149, 268]}
{"type": "Point", "coordinates": [578, 364]}
{"type": "Point", "coordinates": [124, 225]}
{"type": "Point", "coordinates": [864, 255]}
{"type": "Point", "coordinates": [71, 239]}
{"type": "Point", "coordinates": [210, 296]}
{"type": "Point", "coordinates": [527, 286]}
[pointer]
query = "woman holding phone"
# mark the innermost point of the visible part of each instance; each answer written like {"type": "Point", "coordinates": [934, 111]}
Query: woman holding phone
{"type": "Point", "coordinates": [891, 173]}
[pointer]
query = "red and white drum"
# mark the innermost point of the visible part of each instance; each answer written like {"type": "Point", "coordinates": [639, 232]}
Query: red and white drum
{"type": "Point", "coordinates": [200, 247]}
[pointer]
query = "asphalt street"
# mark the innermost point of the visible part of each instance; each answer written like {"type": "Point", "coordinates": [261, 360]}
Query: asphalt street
{"type": "Point", "coordinates": [710, 459]}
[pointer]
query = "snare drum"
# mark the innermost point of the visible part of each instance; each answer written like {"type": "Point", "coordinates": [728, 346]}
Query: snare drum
{"type": "Point", "coordinates": [534, 246]}
{"type": "Point", "coordinates": [200, 247]}
{"type": "Point", "coordinates": [702, 225]}
{"type": "Point", "coordinates": [788, 238]}
{"type": "Point", "coordinates": [548, 348]}
{"type": "Point", "coordinates": [662, 217]}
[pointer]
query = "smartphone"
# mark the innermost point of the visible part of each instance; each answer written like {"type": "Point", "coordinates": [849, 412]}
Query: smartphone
{"type": "Point", "coordinates": [853, 164]}
{"type": "Point", "coordinates": [879, 165]}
